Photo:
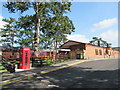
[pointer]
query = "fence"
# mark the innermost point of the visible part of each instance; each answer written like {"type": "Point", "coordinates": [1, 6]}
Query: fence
{"type": "Point", "coordinates": [7, 65]}
{"type": "Point", "coordinates": [43, 61]}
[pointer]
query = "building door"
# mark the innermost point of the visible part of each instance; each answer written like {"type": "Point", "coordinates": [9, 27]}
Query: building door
{"type": "Point", "coordinates": [80, 56]}
{"type": "Point", "coordinates": [77, 56]}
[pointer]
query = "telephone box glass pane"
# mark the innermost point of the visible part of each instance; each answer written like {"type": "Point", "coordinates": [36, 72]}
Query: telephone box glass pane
{"type": "Point", "coordinates": [26, 57]}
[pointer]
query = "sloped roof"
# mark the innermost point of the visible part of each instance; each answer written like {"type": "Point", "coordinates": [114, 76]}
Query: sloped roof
{"type": "Point", "coordinates": [69, 43]}
{"type": "Point", "coordinates": [116, 48]}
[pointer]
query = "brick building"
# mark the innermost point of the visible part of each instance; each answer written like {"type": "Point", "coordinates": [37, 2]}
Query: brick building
{"type": "Point", "coordinates": [79, 50]}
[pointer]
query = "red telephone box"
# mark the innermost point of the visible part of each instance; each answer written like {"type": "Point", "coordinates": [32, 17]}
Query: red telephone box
{"type": "Point", "coordinates": [24, 58]}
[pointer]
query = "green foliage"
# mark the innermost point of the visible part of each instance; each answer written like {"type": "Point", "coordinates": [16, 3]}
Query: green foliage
{"type": "Point", "coordinates": [100, 42]}
{"type": "Point", "coordinates": [9, 32]}
{"type": "Point", "coordinates": [17, 6]}
{"type": "Point", "coordinates": [54, 26]}
{"type": "Point", "coordinates": [27, 27]}
{"type": "Point", "coordinates": [57, 29]}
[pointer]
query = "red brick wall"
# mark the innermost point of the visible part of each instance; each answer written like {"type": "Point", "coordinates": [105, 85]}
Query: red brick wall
{"type": "Point", "coordinates": [116, 54]}
{"type": "Point", "coordinates": [90, 52]}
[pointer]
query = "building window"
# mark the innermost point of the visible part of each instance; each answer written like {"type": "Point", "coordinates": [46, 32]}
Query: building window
{"type": "Point", "coordinates": [96, 51]}
{"type": "Point", "coordinates": [41, 53]}
{"type": "Point", "coordinates": [48, 53]}
{"type": "Point", "coordinates": [100, 52]}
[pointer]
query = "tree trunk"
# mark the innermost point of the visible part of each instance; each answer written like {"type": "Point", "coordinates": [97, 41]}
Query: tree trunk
{"type": "Point", "coordinates": [12, 40]}
{"type": "Point", "coordinates": [99, 43]}
{"type": "Point", "coordinates": [107, 45]}
{"type": "Point", "coordinates": [37, 33]}
{"type": "Point", "coordinates": [55, 51]}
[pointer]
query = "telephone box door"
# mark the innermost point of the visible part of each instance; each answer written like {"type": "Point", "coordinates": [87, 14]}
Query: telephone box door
{"type": "Point", "coordinates": [25, 58]}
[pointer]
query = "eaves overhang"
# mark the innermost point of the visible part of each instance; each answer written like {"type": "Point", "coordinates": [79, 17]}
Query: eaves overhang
{"type": "Point", "coordinates": [69, 43]}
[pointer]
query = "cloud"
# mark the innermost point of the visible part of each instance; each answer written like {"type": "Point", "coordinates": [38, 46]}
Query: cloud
{"type": "Point", "coordinates": [111, 36]}
{"type": "Point", "coordinates": [2, 23]}
{"type": "Point", "coordinates": [103, 24]}
{"type": "Point", "coordinates": [78, 37]}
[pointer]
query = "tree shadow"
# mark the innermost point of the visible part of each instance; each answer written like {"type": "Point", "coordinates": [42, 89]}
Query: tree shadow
{"type": "Point", "coordinates": [71, 77]}
{"type": "Point", "coordinates": [81, 78]}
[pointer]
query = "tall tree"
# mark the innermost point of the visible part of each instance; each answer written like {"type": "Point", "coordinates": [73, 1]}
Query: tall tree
{"type": "Point", "coordinates": [100, 42]}
{"type": "Point", "coordinates": [10, 32]}
{"type": "Point", "coordinates": [96, 39]}
{"type": "Point", "coordinates": [43, 12]}
{"type": "Point", "coordinates": [27, 29]}
{"type": "Point", "coordinates": [58, 28]}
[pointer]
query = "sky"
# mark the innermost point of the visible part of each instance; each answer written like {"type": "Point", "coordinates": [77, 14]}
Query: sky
{"type": "Point", "coordinates": [91, 19]}
{"type": "Point", "coordinates": [98, 19]}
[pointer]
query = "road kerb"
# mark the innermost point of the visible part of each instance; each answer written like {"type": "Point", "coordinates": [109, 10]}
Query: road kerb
{"type": "Point", "coordinates": [15, 80]}
{"type": "Point", "coordinates": [42, 72]}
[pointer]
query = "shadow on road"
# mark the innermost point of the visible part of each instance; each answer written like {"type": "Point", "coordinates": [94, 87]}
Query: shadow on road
{"type": "Point", "coordinates": [72, 77]}
{"type": "Point", "coordinates": [82, 78]}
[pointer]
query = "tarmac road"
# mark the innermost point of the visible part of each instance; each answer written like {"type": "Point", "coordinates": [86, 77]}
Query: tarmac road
{"type": "Point", "coordinates": [93, 74]}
